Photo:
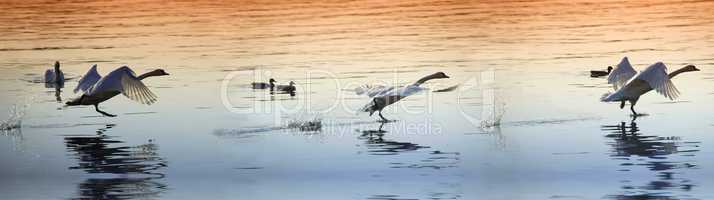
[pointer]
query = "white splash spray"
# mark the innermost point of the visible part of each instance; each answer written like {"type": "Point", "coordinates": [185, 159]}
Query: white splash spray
{"type": "Point", "coordinates": [492, 118]}
{"type": "Point", "coordinates": [14, 120]}
{"type": "Point", "coordinates": [306, 125]}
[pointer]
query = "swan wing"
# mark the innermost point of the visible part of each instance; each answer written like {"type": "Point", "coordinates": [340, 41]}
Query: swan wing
{"type": "Point", "coordinates": [49, 76]}
{"type": "Point", "coordinates": [88, 80]}
{"type": "Point", "coordinates": [405, 91]}
{"type": "Point", "coordinates": [373, 90]}
{"type": "Point", "coordinates": [61, 76]}
{"type": "Point", "coordinates": [621, 74]}
{"type": "Point", "coordinates": [135, 90]}
{"type": "Point", "coordinates": [656, 76]}
{"type": "Point", "coordinates": [388, 96]}
{"type": "Point", "coordinates": [385, 91]}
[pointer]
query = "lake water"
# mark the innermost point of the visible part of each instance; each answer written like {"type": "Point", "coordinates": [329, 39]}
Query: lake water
{"type": "Point", "coordinates": [210, 136]}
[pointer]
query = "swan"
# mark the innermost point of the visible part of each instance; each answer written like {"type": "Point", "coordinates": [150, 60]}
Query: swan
{"type": "Point", "coordinates": [654, 77]}
{"type": "Point", "coordinates": [123, 80]}
{"type": "Point", "coordinates": [287, 88]}
{"type": "Point", "coordinates": [595, 73]}
{"type": "Point", "coordinates": [382, 96]}
{"type": "Point", "coordinates": [261, 85]}
{"type": "Point", "coordinates": [54, 75]}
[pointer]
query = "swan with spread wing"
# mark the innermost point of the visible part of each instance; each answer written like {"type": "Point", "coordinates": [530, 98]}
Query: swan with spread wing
{"type": "Point", "coordinates": [55, 75]}
{"type": "Point", "coordinates": [630, 85]}
{"type": "Point", "coordinates": [123, 80]}
{"type": "Point", "coordinates": [382, 96]}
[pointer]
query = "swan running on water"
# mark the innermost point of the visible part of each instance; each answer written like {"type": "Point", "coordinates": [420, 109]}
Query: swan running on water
{"type": "Point", "coordinates": [123, 80]}
{"type": "Point", "coordinates": [382, 96]}
{"type": "Point", "coordinates": [54, 75]}
{"type": "Point", "coordinates": [654, 77]}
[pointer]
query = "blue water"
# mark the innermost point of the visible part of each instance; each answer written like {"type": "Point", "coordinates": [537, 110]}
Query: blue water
{"type": "Point", "coordinates": [210, 136]}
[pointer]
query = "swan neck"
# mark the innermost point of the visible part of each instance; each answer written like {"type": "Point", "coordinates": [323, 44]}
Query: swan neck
{"type": "Point", "coordinates": [148, 74]}
{"type": "Point", "coordinates": [57, 70]}
{"type": "Point", "coordinates": [425, 79]}
{"type": "Point", "coordinates": [677, 72]}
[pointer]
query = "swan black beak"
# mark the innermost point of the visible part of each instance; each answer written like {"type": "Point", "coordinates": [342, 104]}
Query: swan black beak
{"type": "Point", "coordinates": [694, 68]}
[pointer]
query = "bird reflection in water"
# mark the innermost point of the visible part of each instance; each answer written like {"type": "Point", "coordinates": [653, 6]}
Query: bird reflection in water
{"type": "Point", "coordinates": [667, 156]}
{"type": "Point", "coordinates": [58, 90]}
{"type": "Point", "coordinates": [417, 158]}
{"type": "Point", "coordinates": [135, 165]}
{"type": "Point", "coordinates": [377, 145]}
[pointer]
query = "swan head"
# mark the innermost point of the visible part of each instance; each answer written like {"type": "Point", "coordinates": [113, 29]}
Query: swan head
{"type": "Point", "coordinates": [690, 68]}
{"type": "Point", "coordinates": [440, 75]}
{"type": "Point", "coordinates": [57, 65]}
{"type": "Point", "coordinates": [609, 69]}
{"type": "Point", "coordinates": [436, 75]}
{"type": "Point", "coordinates": [156, 72]}
{"type": "Point", "coordinates": [292, 83]}
{"type": "Point", "coordinates": [160, 72]}
{"type": "Point", "coordinates": [271, 80]}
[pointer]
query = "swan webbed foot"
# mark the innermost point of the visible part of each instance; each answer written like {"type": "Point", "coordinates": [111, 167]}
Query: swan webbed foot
{"type": "Point", "coordinates": [634, 116]}
{"type": "Point", "coordinates": [102, 112]}
{"type": "Point", "coordinates": [384, 121]}
{"type": "Point", "coordinates": [632, 108]}
{"type": "Point", "coordinates": [639, 115]}
{"type": "Point", "coordinates": [106, 114]}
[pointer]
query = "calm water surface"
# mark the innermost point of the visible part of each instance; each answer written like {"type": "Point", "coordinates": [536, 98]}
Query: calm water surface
{"type": "Point", "coordinates": [212, 137]}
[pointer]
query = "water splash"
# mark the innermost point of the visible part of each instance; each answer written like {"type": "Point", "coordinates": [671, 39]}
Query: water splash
{"type": "Point", "coordinates": [492, 118]}
{"type": "Point", "coordinates": [15, 118]}
{"type": "Point", "coordinates": [313, 125]}
{"type": "Point", "coordinates": [12, 127]}
{"type": "Point", "coordinates": [310, 125]}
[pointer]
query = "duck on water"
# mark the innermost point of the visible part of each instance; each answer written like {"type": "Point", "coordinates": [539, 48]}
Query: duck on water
{"type": "Point", "coordinates": [596, 73]}
{"type": "Point", "coordinates": [262, 85]}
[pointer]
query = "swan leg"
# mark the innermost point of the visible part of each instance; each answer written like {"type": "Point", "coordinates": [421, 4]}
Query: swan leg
{"type": "Point", "coordinates": [622, 104]}
{"type": "Point", "coordinates": [632, 108]}
{"type": "Point", "coordinates": [383, 119]}
{"type": "Point", "coordinates": [96, 107]}
{"type": "Point", "coordinates": [58, 95]}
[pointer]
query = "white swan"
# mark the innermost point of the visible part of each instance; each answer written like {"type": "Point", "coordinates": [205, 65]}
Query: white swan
{"type": "Point", "coordinates": [123, 80]}
{"type": "Point", "coordinates": [654, 77]}
{"type": "Point", "coordinates": [382, 96]}
{"type": "Point", "coordinates": [54, 75]}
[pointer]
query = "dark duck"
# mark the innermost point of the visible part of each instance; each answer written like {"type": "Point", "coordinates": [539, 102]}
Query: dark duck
{"type": "Point", "coordinates": [598, 73]}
